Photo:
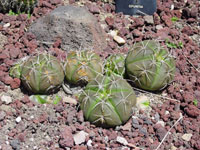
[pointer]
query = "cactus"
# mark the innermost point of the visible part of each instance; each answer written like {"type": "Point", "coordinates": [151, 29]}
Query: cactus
{"type": "Point", "coordinates": [17, 6]}
{"type": "Point", "coordinates": [115, 63]}
{"type": "Point", "coordinates": [107, 101]}
{"type": "Point", "coordinates": [150, 66]}
{"type": "Point", "coordinates": [82, 66]}
{"type": "Point", "coordinates": [42, 73]}
{"type": "Point", "coordinates": [16, 70]}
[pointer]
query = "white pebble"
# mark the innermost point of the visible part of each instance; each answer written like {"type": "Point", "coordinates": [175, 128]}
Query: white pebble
{"type": "Point", "coordinates": [89, 143]}
{"type": "Point", "coordinates": [6, 25]}
{"type": "Point", "coordinates": [80, 137]}
{"type": "Point", "coordinates": [6, 99]}
{"type": "Point", "coordinates": [161, 123]}
{"type": "Point", "coordinates": [187, 137]}
{"type": "Point", "coordinates": [119, 40]}
{"type": "Point", "coordinates": [18, 119]}
{"type": "Point", "coordinates": [122, 140]}
{"type": "Point", "coordinates": [158, 27]}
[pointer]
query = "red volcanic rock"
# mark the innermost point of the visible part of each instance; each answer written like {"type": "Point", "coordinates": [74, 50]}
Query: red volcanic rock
{"type": "Point", "coordinates": [21, 136]}
{"type": "Point", "coordinates": [167, 20]}
{"type": "Point", "coordinates": [8, 80]}
{"type": "Point", "coordinates": [138, 22]}
{"type": "Point", "coordinates": [15, 83]}
{"type": "Point", "coordinates": [188, 30]}
{"type": "Point", "coordinates": [94, 9]}
{"type": "Point", "coordinates": [192, 111]}
{"type": "Point", "coordinates": [14, 52]}
{"type": "Point", "coordinates": [137, 33]}
{"type": "Point", "coordinates": [66, 139]}
{"type": "Point", "coordinates": [55, 2]}
{"type": "Point", "coordinates": [3, 56]}
{"type": "Point", "coordinates": [109, 21]}
{"type": "Point", "coordinates": [43, 118]}
{"type": "Point", "coordinates": [160, 132]}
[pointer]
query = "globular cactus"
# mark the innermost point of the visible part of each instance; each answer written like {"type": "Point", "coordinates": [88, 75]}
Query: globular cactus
{"type": "Point", "coordinates": [107, 101]}
{"type": "Point", "coordinates": [82, 66]}
{"type": "Point", "coordinates": [115, 64]}
{"type": "Point", "coordinates": [150, 66]}
{"type": "Point", "coordinates": [42, 73]}
{"type": "Point", "coordinates": [17, 6]}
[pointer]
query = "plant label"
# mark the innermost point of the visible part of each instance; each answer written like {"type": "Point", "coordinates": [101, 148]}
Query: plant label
{"type": "Point", "coordinates": [136, 7]}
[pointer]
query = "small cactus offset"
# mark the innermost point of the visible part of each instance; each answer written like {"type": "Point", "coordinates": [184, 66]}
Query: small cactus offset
{"type": "Point", "coordinates": [42, 73]}
{"type": "Point", "coordinates": [150, 66]}
{"type": "Point", "coordinates": [82, 66]}
{"type": "Point", "coordinates": [115, 63]}
{"type": "Point", "coordinates": [17, 6]}
{"type": "Point", "coordinates": [16, 70]}
{"type": "Point", "coordinates": [107, 101]}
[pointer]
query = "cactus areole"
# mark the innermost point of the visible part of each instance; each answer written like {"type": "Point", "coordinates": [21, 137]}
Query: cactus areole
{"type": "Point", "coordinates": [107, 101]}
{"type": "Point", "coordinates": [150, 66]}
{"type": "Point", "coordinates": [82, 66]}
{"type": "Point", "coordinates": [42, 74]}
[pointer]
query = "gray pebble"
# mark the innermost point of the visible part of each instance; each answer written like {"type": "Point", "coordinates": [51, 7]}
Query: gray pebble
{"type": "Point", "coordinates": [143, 131]}
{"type": "Point", "coordinates": [148, 121]}
{"type": "Point", "coordinates": [2, 115]}
{"type": "Point", "coordinates": [15, 144]}
{"type": "Point", "coordinates": [157, 117]}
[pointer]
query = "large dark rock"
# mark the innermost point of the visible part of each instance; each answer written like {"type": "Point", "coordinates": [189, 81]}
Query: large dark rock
{"type": "Point", "coordinates": [75, 26]}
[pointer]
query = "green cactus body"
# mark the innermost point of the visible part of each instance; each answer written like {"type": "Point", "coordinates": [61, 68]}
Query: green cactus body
{"type": "Point", "coordinates": [107, 101]}
{"type": "Point", "coordinates": [15, 71]}
{"type": "Point", "coordinates": [115, 63]}
{"type": "Point", "coordinates": [149, 66]}
{"type": "Point", "coordinates": [17, 6]}
{"type": "Point", "coordinates": [42, 74]}
{"type": "Point", "coordinates": [82, 66]}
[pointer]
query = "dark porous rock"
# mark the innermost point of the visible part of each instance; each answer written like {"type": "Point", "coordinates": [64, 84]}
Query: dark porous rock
{"type": "Point", "coordinates": [74, 25]}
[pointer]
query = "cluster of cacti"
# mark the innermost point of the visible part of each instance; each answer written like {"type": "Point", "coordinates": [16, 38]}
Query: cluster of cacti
{"type": "Point", "coordinates": [107, 101]}
{"type": "Point", "coordinates": [82, 66]}
{"type": "Point", "coordinates": [115, 64]}
{"type": "Point", "coordinates": [149, 65]}
{"type": "Point", "coordinates": [17, 6]}
{"type": "Point", "coordinates": [42, 73]}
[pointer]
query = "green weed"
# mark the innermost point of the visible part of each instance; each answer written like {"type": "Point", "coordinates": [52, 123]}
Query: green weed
{"type": "Point", "coordinates": [174, 19]}
{"type": "Point", "coordinates": [195, 102]}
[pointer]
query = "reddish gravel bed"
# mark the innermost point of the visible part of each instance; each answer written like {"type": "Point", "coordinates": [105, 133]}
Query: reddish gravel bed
{"type": "Point", "coordinates": [26, 125]}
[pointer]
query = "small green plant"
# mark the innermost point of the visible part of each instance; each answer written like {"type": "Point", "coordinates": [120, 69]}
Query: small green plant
{"type": "Point", "coordinates": [149, 66]}
{"type": "Point", "coordinates": [174, 19]}
{"type": "Point", "coordinates": [107, 101]}
{"type": "Point", "coordinates": [11, 13]}
{"type": "Point", "coordinates": [44, 99]}
{"type": "Point", "coordinates": [115, 64]}
{"type": "Point", "coordinates": [82, 66]}
{"type": "Point", "coordinates": [173, 45]}
{"type": "Point", "coordinates": [195, 102]}
{"type": "Point", "coordinates": [147, 103]}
